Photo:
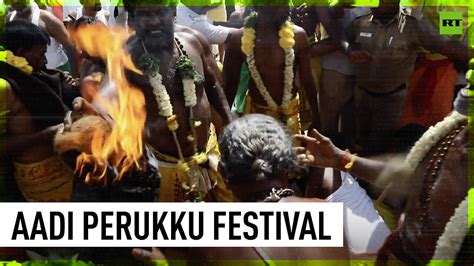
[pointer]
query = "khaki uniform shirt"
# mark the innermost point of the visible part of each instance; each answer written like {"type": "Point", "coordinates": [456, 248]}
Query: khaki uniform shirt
{"type": "Point", "coordinates": [394, 48]}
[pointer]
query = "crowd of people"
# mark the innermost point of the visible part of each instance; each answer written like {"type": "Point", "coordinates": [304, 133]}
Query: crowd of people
{"type": "Point", "coordinates": [280, 101]}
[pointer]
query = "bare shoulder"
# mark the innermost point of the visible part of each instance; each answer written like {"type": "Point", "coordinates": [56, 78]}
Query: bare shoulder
{"type": "Point", "coordinates": [47, 16]}
{"type": "Point", "coordinates": [300, 34]}
{"type": "Point", "coordinates": [298, 30]}
{"type": "Point", "coordinates": [50, 21]}
{"type": "Point", "coordinates": [235, 38]}
{"type": "Point", "coordinates": [301, 38]}
{"type": "Point", "coordinates": [190, 36]}
{"type": "Point", "coordinates": [236, 35]}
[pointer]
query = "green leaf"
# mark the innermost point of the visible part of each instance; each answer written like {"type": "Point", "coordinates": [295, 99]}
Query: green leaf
{"type": "Point", "coordinates": [148, 63]}
{"type": "Point", "coordinates": [185, 67]}
{"type": "Point", "coordinates": [186, 70]}
{"type": "Point", "coordinates": [251, 20]}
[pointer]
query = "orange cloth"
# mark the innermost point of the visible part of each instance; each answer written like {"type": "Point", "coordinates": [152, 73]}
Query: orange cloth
{"type": "Point", "coordinates": [431, 92]}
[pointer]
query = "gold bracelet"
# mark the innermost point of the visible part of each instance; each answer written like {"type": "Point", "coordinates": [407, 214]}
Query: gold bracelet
{"type": "Point", "coordinates": [350, 158]}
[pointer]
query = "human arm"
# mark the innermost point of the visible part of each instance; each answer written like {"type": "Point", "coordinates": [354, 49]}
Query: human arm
{"type": "Point", "coordinates": [232, 64]}
{"type": "Point", "coordinates": [81, 107]}
{"type": "Point", "coordinates": [325, 46]}
{"type": "Point", "coordinates": [302, 60]}
{"type": "Point", "coordinates": [318, 150]}
{"type": "Point", "coordinates": [16, 143]}
{"type": "Point", "coordinates": [213, 81]}
{"type": "Point", "coordinates": [325, 17]}
{"type": "Point", "coordinates": [429, 38]}
{"type": "Point", "coordinates": [57, 30]}
{"type": "Point", "coordinates": [335, 31]}
{"type": "Point", "coordinates": [354, 50]}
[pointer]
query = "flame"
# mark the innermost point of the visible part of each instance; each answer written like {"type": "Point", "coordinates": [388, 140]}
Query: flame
{"type": "Point", "coordinates": [122, 148]}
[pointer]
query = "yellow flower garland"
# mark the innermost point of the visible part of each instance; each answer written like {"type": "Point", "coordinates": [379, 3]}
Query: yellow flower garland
{"type": "Point", "coordinates": [286, 42]}
{"type": "Point", "coordinates": [287, 38]}
{"type": "Point", "coordinates": [17, 61]}
{"type": "Point", "coordinates": [248, 39]}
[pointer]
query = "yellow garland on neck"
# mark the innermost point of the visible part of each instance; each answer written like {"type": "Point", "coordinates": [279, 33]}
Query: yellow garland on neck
{"type": "Point", "coordinates": [287, 38]}
{"type": "Point", "coordinates": [18, 62]}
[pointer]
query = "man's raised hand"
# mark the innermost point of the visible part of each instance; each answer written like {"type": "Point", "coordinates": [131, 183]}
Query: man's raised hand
{"type": "Point", "coordinates": [318, 150]}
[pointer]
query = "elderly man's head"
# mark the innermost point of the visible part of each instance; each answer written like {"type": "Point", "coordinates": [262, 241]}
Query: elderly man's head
{"type": "Point", "coordinates": [257, 155]}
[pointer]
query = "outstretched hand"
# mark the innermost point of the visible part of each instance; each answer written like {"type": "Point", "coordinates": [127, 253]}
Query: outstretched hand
{"type": "Point", "coordinates": [148, 256]}
{"type": "Point", "coordinates": [318, 150]}
{"type": "Point", "coordinates": [84, 107]}
{"type": "Point", "coordinates": [80, 107]}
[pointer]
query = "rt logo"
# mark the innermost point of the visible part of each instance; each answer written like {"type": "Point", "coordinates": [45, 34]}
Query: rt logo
{"type": "Point", "coordinates": [450, 23]}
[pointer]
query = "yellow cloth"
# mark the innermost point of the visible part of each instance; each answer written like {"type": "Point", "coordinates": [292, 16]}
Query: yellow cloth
{"type": "Point", "coordinates": [47, 180]}
{"type": "Point", "coordinates": [171, 189]}
{"type": "Point", "coordinates": [291, 119]}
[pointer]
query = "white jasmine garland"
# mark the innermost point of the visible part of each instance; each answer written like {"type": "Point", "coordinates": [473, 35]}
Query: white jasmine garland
{"type": "Point", "coordinates": [286, 42]}
{"type": "Point", "coordinates": [288, 79]}
{"type": "Point", "coordinates": [189, 77]}
{"type": "Point", "coordinates": [189, 89]}
{"type": "Point", "coordinates": [431, 137]}
{"type": "Point", "coordinates": [450, 242]}
{"type": "Point", "coordinates": [162, 96]}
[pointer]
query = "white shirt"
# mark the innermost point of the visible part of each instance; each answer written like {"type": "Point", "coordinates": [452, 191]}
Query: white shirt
{"type": "Point", "coordinates": [364, 229]}
{"type": "Point", "coordinates": [54, 53]}
{"type": "Point", "coordinates": [214, 34]}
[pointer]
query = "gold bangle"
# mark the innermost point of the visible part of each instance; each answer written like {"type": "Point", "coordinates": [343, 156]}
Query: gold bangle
{"type": "Point", "coordinates": [351, 159]}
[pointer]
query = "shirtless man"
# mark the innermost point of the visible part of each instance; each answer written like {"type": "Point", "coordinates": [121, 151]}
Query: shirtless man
{"type": "Point", "coordinates": [270, 63]}
{"type": "Point", "coordinates": [52, 26]}
{"type": "Point", "coordinates": [157, 36]}
{"type": "Point", "coordinates": [35, 112]}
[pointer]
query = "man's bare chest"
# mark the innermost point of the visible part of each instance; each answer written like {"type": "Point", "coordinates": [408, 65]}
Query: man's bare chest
{"type": "Point", "coordinates": [269, 56]}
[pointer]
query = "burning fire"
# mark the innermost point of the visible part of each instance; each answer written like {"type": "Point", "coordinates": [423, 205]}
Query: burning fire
{"type": "Point", "coordinates": [122, 148]}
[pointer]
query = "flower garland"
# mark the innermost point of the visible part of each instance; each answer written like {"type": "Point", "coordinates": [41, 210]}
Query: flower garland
{"type": "Point", "coordinates": [431, 137]}
{"type": "Point", "coordinates": [189, 78]}
{"type": "Point", "coordinates": [287, 42]}
{"type": "Point", "coordinates": [450, 242]}
{"type": "Point", "coordinates": [17, 61]}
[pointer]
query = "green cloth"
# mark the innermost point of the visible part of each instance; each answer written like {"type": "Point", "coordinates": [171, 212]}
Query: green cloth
{"type": "Point", "coordinates": [242, 89]}
{"type": "Point", "coordinates": [66, 67]}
